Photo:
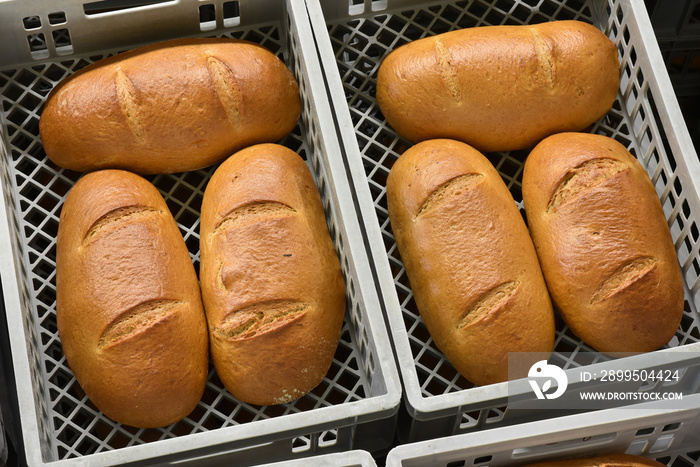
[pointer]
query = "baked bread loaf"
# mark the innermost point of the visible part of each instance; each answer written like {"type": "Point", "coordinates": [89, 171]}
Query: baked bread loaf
{"type": "Point", "coordinates": [271, 281]}
{"type": "Point", "coordinates": [499, 88]}
{"type": "Point", "coordinates": [609, 460]}
{"type": "Point", "coordinates": [469, 259]}
{"type": "Point", "coordinates": [603, 242]}
{"type": "Point", "coordinates": [128, 306]}
{"type": "Point", "coordinates": [169, 107]}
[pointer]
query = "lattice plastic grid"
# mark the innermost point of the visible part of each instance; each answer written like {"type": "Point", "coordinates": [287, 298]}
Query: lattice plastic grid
{"type": "Point", "coordinates": [359, 44]}
{"type": "Point", "coordinates": [688, 459]}
{"type": "Point", "coordinates": [70, 424]}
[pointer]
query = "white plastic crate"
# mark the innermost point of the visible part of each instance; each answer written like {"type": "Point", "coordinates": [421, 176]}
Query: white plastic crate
{"type": "Point", "coordinates": [354, 407]}
{"type": "Point", "coordinates": [672, 437]}
{"type": "Point", "coordinates": [356, 458]}
{"type": "Point", "coordinates": [353, 36]}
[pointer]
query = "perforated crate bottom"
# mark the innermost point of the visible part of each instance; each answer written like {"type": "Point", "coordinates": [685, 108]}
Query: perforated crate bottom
{"type": "Point", "coordinates": [359, 44]}
{"type": "Point", "coordinates": [78, 428]}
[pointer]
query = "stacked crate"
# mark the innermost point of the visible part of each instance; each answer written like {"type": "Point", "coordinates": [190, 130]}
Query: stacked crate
{"type": "Point", "coordinates": [677, 28]}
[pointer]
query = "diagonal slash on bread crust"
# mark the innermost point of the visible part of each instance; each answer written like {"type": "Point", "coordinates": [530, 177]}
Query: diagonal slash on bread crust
{"type": "Point", "coordinates": [488, 303]}
{"type": "Point", "coordinates": [227, 89]}
{"type": "Point", "coordinates": [623, 277]}
{"type": "Point", "coordinates": [130, 213]}
{"type": "Point", "coordinates": [448, 70]}
{"type": "Point", "coordinates": [452, 187]}
{"type": "Point", "coordinates": [259, 318]}
{"type": "Point", "coordinates": [137, 319]}
{"type": "Point", "coordinates": [257, 211]}
{"type": "Point", "coordinates": [583, 177]}
{"type": "Point", "coordinates": [129, 103]}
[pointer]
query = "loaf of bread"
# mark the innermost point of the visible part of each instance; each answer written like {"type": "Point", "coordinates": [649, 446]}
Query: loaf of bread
{"type": "Point", "coordinates": [499, 88]}
{"type": "Point", "coordinates": [603, 242]}
{"type": "Point", "coordinates": [271, 281]}
{"type": "Point", "coordinates": [469, 259]}
{"type": "Point", "coordinates": [609, 460]}
{"type": "Point", "coordinates": [169, 107]}
{"type": "Point", "coordinates": [128, 306]}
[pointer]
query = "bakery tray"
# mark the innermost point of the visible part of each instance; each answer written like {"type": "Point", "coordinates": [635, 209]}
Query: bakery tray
{"type": "Point", "coordinates": [353, 37]}
{"type": "Point", "coordinates": [356, 405]}
{"type": "Point", "coordinates": [670, 437]}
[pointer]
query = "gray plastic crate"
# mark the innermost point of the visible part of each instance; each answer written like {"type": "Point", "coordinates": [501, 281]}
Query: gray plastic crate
{"type": "Point", "coordinates": [354, 407]}
{"type": "Point", "coordinates": [670, 437]}
{"type": "Point", "coordinates": [353, 36]}
{"type": "Point", "coordinates": [677, 28]}
{"type": "Point", "coordinates": [679, 19]}
{"type": "Point", "coordinates": [356, 458]}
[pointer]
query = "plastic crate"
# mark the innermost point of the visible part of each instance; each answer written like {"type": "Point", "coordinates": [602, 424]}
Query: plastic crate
{"type": "Point", "coordinates": [677, 28]}
{"type": "Point", "coordinates": [675, 19]}
{"type": "Point", "coordinates": [356, 458]}
{"type": "Point", "coordinates": [670, 437]}
{"type": "Point", "coordinates": [353, 36]}
{"type": "Point", "coordinates": [354, 407]}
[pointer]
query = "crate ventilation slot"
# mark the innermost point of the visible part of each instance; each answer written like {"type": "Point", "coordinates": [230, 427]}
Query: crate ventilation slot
{"type": "Point", "coordinates": [357, 7]}
{"type": "Point", "coordinates": [40, 41]}
{"type": "Point", "coordinates": [231, 15]}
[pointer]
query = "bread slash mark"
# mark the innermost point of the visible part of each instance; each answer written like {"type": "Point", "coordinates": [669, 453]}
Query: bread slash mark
{"type": "Point", "coordinates": [623, 277]}
{"type": "Point", "coordinates": [489, 303]}
{"type": "Point", "coordinates": [452, 187]}
{"type": "Point", "coordinates": [448, 70]}
{"type": "Point", "coordinates": [583, 177]}
{"type": "Point", "coordinates": [131, 213]}
{"type": "Point", "coordinates": [136, 320]}
{"type": "Point", "coordinates": [227, 89]}
{"type": "Point", "coordinates": [220, 277]}
{"type": "Point", "coordinates": [259, 318]}
{"type": "Point", "coordinates": [544, 58]}
{"type": "Point", "coordinates": [257, 211]}
{"type": "Point", "coordinates": [129, 103]}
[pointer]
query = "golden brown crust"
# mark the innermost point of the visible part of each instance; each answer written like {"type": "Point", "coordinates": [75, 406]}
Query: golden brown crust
{"type": "Point", "coordinates": [169, 107]}
{"type": "Point", "coordinates": [128, 306]}
{"type": "Point", "coordinates": [499, 88]}
{"type": "Point", "coordinates": [603, 242]}
{"type": "Point", "coordinates": [271, 280]}
{"type": "Point", "coordinates": [608, 460]}
{"type": "Point", "coordinates": [470, 261]}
